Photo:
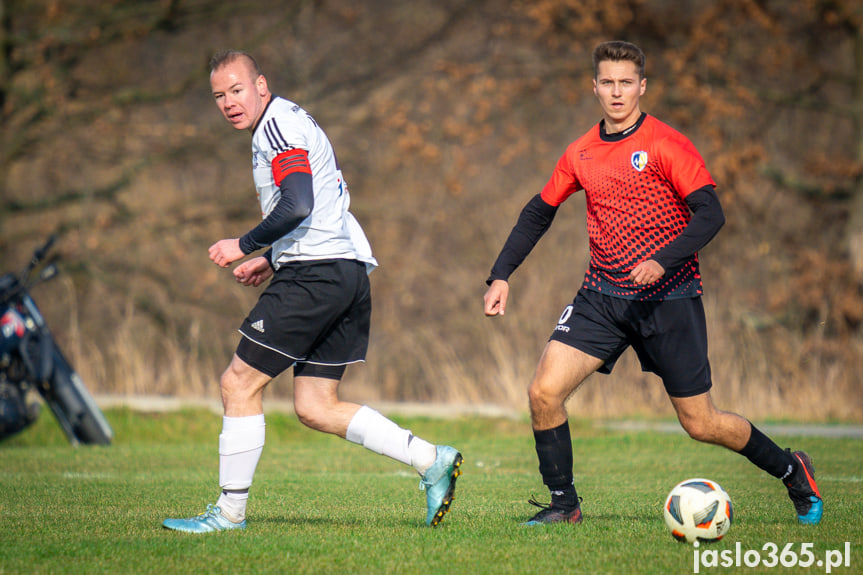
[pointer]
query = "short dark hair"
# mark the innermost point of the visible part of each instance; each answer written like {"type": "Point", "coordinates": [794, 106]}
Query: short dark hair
{"type": "Point", "coordinates": [618, 51]}
{"type": "Point", "coordinates": [229, 56]}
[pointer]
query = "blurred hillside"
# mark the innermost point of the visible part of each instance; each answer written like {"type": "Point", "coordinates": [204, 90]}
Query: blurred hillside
{"type": "Point", "coordinates": [447, 116]}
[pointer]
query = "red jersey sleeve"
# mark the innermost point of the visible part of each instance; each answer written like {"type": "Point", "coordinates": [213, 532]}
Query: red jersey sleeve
{"type": "Point", "coordinates": [683, 165]}
{"type": "Point", "coordinates": [563, 182]}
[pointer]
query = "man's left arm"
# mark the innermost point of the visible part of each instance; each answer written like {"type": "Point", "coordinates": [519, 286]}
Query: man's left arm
{"type": "Point", "coordinates": [707, 219]}
{"type": "Point", "coordinates": [293, 175]}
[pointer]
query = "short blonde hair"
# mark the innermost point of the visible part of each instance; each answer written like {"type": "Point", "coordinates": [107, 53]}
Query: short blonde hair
{"type": "Point", "coordinates": [230, 56]}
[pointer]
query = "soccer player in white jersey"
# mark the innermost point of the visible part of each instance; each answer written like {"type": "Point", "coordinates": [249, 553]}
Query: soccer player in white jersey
{"type": "Point", "coordinates": [313, 316]}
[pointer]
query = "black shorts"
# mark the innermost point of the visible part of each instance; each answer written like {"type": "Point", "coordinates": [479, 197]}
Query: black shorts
{"type": "Point", "coordinates": [670, 336]}
{"type": "Point", "coordinates": [316, 312]}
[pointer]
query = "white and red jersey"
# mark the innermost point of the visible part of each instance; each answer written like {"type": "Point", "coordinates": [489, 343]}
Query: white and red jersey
{"type": "Point", "coordinates": [330, 231]}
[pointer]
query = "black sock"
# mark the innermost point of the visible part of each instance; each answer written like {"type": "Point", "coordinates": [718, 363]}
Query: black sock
{"type": "Point", "coordinates": [554, 449]}
{"type": "Point", "coordinates": [761, 451]}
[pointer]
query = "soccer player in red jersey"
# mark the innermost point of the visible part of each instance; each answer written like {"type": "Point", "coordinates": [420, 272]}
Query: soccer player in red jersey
{"type": "Point", "coordinates": [651, 206]}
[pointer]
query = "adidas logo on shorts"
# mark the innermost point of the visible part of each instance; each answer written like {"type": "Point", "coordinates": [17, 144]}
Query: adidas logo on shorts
{"type": "Point", "coordinates": [258, 326]}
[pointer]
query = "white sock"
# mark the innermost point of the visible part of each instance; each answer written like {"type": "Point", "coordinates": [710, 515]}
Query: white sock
{"type": "Point", "coordinates": [233, 505]}
{"type": "Point", "coordinates": [240, 445]}
{"type": "Point", "coordinates": [377, 433]}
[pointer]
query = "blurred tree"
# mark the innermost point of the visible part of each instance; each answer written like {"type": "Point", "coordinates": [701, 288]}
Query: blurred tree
{"type": "Point", "coordinates": [823, 57]}
{"type": "Point", "coordinates": [445, 113]}
{"type": "Point", "coordinates": [853, 23]}
{"type": "Point", "coordinates": [41, 44]}
{"type": "Point", "coordinates": [5, 48]}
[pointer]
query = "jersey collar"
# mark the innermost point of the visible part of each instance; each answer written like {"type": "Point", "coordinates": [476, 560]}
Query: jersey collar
{"type": "Point", "coordinates": [617, 136]}
{"type": "Point", "coordinates": [273, 97]}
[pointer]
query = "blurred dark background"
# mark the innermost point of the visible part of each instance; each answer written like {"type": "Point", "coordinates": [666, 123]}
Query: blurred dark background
{"type": "Point", "coordinates": [447, 116]}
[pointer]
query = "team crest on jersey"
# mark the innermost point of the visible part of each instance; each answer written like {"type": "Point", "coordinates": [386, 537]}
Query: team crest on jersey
{"type": "Point", "coordinates": [639, 160]}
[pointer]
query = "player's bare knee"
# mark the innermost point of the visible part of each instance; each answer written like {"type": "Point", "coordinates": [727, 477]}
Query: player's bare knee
{"type": "Point", "coordinates": [305, 414]}
{"type": "Point", "coordinates": [698, 429]}
{"type": "Point", "coordinates": [541, 398]}
{"type": "Point", "coordinates": [231, 387]}
{"type": "Point", "coordinates": [310, 414]}
{"type": "Point", "coordinates": [237, 390]}
{"type": "Point", "coordinates": [535, 395]}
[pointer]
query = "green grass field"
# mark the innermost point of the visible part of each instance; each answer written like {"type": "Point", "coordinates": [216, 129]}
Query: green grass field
{"type": "Point", "coordinates": [322, 505]}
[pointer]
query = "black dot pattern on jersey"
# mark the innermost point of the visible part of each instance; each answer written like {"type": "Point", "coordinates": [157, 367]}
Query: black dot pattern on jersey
{"type": "Point", "coordinates": [634, 207]}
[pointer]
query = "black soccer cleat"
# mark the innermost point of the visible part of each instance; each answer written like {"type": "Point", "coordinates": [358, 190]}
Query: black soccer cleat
{"type": "Point", "coordinates": [803, 491]}
{"type": "Point", "coordinates": [554, 514]}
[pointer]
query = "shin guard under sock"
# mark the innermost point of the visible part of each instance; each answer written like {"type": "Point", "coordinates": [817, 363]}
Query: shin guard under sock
{"type": "Point", "coordinates": [377, 433]}
{"type": "Point", "coordinates": [761, 451]}
{"type": "Point", "coordinates": [554, 449]}
{"type": "Point", "coordinates": [240, 446]}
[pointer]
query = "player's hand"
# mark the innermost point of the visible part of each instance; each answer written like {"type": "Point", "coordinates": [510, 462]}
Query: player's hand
{"type": "Point", "coordinates": [224, 252]}
{"type": "Point", "coordinates": [253, 272]}
{"type": "Point", "coordinates": [495, 298]}
{"type": "Point", "coordinates": [647, 272]}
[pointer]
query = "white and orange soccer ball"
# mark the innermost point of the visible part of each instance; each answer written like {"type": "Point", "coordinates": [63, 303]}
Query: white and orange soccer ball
{"type": "Point", "coordinates": [698, 510]}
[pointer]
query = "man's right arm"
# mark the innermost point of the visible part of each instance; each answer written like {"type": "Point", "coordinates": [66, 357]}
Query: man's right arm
{"type": "Point", "coordinates": [533, 222]}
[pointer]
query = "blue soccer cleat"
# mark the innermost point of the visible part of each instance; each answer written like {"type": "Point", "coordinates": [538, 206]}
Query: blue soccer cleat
{"type": "Point", "coordinates": [439, 483]}
{"type": "Point", "coordinates": [803, 491]}
{"type": "Point", "coordinates": [207, 522]}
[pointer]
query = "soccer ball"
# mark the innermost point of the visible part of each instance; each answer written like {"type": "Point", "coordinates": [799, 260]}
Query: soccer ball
{"type": "Point", "coordinates": [698, 510]}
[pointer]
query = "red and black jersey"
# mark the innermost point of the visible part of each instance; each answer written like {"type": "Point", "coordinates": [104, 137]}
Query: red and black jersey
{"type": "Point", "coordinates": [635, 184]}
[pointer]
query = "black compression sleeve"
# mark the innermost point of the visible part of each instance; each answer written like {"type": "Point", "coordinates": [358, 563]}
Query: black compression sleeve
{"type": "Point", "coordinates": [269, 255]}
{"type": "Point", "coordinates": [707, 219]}
{"type": "Point", "coordinates": [293, 207]}
{"type": "Point", "coordinates": [533, 222]}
